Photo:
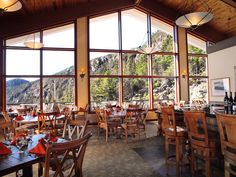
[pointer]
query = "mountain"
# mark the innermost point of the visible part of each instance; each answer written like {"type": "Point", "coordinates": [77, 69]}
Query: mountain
{"type": "Point", "coordinates": [22, 91]}
{"type": "Point", "coordinates": [16, 82]}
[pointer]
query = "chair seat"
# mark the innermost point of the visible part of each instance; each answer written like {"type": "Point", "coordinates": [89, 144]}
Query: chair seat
{"type": "Point", "coordinates": [181, 132]}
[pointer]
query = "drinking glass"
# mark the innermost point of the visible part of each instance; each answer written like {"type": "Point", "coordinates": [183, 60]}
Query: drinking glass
{"type": "Point", "coordinates": [20, 143]}
{"type": "Point", "coordinates": [30, 134]}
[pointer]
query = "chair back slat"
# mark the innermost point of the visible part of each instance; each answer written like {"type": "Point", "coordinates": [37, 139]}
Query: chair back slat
{"type": "Point", "coordinates": [168, 118]}
{"type": "Point", "coordinates": [197, 127]}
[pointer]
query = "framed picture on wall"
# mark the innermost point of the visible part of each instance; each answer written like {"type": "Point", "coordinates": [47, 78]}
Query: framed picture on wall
{"type": "Point", "coordinates": [220, 86]}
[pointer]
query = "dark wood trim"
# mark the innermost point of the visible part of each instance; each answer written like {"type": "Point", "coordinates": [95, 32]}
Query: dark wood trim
{"type": "Point", "coordinates": [1, 74]}
{"type": "Point", "coordinates": [197, 55]}
{"type": "Point", "coordinates": [75, 63]}
{"type": "Point", "coordinates": [186, 41]}
{"type": "Point", "coordinates": [230, 2]}
{"type": "Point", "coordinates": [88, 66]}
{"type": "Point", "coordinates": [130, 76]}
{"type": "Point", "coordinates": [177, 63]}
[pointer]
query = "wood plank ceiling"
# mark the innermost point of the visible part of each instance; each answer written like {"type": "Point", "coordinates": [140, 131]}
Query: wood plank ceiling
{"type": "Point", "coordinates": [37, 14]}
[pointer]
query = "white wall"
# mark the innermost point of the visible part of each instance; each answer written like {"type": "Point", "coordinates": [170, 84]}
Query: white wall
{"type": "Point", "coordinates": [221, 64]}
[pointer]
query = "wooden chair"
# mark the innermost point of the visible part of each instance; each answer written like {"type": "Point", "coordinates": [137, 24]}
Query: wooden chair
{"type": "Point", "coordinates": [226, 124]}
{"type": "Point", "coordinates": [203, 143]}
{"type": "Point", "coordinates": [73, 127]}
{"type": "Point", "coordinates": [133, 123]}
{"type": "Point", "coordinates": [46, 121]}
{"type": "Point", "coordinates": [103, 123]}
{"type": "Point", "coordinates": [174, 135]}
{"type": "Point", "coordinates": [6, 125]}
{"type": "Point", "coordinates": [66, 159]}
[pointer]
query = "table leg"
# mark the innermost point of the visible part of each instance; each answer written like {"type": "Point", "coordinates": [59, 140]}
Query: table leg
{"type": "Point", "coordinates": [26, 171]}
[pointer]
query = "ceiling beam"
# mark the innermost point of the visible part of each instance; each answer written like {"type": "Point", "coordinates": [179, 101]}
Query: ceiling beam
{"type": "Point", "coordinates": [230, 2]}
{"type": "Point", "coordinates": [20, 24]}
{"type": "Point", "coordinates": [170, 15]}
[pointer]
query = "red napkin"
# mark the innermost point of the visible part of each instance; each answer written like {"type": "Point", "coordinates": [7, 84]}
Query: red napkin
{"type": "Point", "coordinates": [81, 109]}
{"type": "Point", "coordinates": [58, 114]}
{"type": "Point", "coordinates": [19, 118]}
{"type": "Point", "coordinates": [39, 149]}
{"type": "Point", "coordinates": [34, 114]}
{"type": "Point", "coordinates": [51, 137]}
{"type": "Point", "coordinates": [17, 136]}
{"type": "Point", "coordinates": [108, 113]}
{"type": "Point", "coordinates": [4, 150]}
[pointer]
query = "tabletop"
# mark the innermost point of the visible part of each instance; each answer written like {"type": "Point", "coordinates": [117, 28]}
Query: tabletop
{"type": "Point", "coordinates": [33, 119]}
{"type": "Point", "coordinates": [17, 161]}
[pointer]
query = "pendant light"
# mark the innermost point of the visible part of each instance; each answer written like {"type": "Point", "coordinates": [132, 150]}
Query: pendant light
{"type": "Point", "coordinates": [9, 6]}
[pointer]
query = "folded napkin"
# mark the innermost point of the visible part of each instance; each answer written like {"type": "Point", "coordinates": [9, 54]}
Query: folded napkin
{"type": "Point", "coordinates": [51, 137]}
{"type": "Point", "coordinates": [39, 149]}
{"type": "Point", "coordinates": [19, 118]}
{"type": "Point", "coordinates": [4, 150]}
{"type": "Point", "coordinates": [33, 114]}
{"type": "Point", "coordinates": [58, 114]}
{"type": "Point", "coordinates": [108, 113]}
{"type": "Point", "coordinates": [17, 136]}
{"type": "Point", "coordinates": [81, 109]}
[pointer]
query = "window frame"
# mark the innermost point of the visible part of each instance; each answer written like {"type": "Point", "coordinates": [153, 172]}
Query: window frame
{"type": "Point", "coordinates": [41, 76]}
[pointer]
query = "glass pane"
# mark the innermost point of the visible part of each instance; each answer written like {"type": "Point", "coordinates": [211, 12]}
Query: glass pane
{"type": "Point", "coordinates": [164, 89]}
{"type": "Point", "coordinates": [104, 63]}
{"type": "Point", "coordinates": [163, 65]}
{"type": "Point", "coordinates": [60, 37]}
{"type": "Point", "coordinates": [22, 91]}
{"type": "Point", "coordinates": [134, 29]}
{"type": "Point", "coordinates": [103, 32]}
{"type": "Point", "coordinates": [198, 89]}
{"type": "Point", "coordinates": [103, 91]}
{"type": "Point", "coordinates": [196, 45]}
{"type": "Point", "coordinates": [58, 63]}
{"type": "Point", "coordinates": [22, 62]}
{"type": "Point", "coordinates": [197, 66]}
{"type": "Point", "coordinates": [135, 64]}
{"type": "Point", "coordinates": [162, 35]}
{"type": "Point", "coordinates": [58, 90]}
{"type": "Point", "coordinates": [19, 41]}
{"type": "Point", "coordinates": [136, 91]}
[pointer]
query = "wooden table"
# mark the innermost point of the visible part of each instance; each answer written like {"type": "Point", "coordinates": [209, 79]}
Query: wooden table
{"type": "Point", "coordinates": [15, 161]}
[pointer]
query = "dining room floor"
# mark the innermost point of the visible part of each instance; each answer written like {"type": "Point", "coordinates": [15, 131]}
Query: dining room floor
{"type": "Point", "coordinates": [144, 157]}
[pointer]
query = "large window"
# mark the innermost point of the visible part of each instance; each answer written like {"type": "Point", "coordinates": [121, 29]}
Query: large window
{"type": "Point", "coordinates": [41, 77]}
{"type": "Point", "coordinates": [197, 67]}
{"type": "Point", "coordinates": [119, 74]}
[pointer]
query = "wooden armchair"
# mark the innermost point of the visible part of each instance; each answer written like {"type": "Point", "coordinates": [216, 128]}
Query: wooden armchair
{"type": "Point", "coordinates": [226, 124]}
{"type": "Point", "coordinates": [66, 159]}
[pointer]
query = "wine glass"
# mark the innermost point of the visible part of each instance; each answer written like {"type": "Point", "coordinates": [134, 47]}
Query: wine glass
{"type": "Point", "coordinates": [9, 136]}
{"type": "Point", "coordinates": [30, 135]}
{"type": "Point", "coordinates": [20, 143]}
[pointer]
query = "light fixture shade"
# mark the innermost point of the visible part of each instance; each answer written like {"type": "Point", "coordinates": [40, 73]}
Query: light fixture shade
{"type": "Point", "coordinates": [10, 5]}
{"type": "Point", "coordinates": [193, 20]}
{"type": "Point", "coordinates": [147, 50]}
{"type": "Point", "coordinates": [33, 44]}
